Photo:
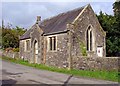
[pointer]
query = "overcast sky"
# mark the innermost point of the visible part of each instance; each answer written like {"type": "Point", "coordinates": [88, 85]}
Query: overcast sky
{"type": "Point", "coordinates": [24, 14]}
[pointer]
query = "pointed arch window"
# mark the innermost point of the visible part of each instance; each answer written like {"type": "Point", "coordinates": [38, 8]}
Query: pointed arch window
{"type": "Point", "coordinates": [89, 39]}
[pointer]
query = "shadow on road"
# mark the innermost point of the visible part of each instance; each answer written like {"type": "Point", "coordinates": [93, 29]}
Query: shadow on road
{"type": "Point", "coordinates": [8, 73]}
{"type": "Point", "coordinates": [8, 82]}
{"type": "Point", "coordinates": [66, 82]}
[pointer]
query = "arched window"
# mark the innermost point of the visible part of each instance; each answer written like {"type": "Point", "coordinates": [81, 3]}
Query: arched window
{"type": "Point", "coordinates": [89, 39]}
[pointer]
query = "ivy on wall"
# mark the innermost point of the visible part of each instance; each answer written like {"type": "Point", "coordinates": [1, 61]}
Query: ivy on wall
{"type": "Point", "coordinates": [81, 45]}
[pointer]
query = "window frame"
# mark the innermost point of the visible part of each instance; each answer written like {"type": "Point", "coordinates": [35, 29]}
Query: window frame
{"type": "Point", "coordinates": [52, 43]}
{"type": "Point", "coordinates": [89, 38]}
{"type": "Point", "coordinates": [25, 45]}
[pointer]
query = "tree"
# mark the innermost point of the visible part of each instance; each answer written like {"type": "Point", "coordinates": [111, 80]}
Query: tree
{"type": "Point", "coordinates": [111, 24]}
{"type": "Point", "coordinates": [10, 37]}
{"type": "Point", "coordinates": [116, 8]}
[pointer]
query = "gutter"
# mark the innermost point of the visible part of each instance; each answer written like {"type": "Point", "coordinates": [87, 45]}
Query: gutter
{"type": "Point", "coordinates": [65, 31]}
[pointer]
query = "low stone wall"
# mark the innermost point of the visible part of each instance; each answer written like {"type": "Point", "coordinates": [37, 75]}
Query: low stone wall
{"type": "Point", "coordinates": [98, 63]}
{"type": "Point", "coordinates": [81, 63]}
{"type": "Point", "coordinates": [11, 54]}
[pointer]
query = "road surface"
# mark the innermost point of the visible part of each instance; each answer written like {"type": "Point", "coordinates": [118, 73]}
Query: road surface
{"type": "Point", "coordinates": [18, 74]}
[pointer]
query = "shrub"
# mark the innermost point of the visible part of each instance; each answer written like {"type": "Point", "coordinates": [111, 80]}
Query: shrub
{"type": "Point", "coordinates": [16, 49]}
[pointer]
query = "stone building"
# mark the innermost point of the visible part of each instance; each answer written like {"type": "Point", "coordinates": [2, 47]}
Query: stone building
{"type": "Point", "coordinates": [55, 41]}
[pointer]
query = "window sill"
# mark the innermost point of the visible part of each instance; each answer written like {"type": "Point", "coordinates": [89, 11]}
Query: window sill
{"type": "Point", "coordinates": [52, 50]}
{"type": "Point", "coordinates": [26, 51]}
{"type": "Point", "coordinates": [90, 51]}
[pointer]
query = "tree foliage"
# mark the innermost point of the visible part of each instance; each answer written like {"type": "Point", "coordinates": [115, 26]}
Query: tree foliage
{"type": "Point", "coordinates": [116, 8]}
{"type": "Point", "coordinates": [10, 37]}
{"type": "Point", "coordinates": [111, 24]}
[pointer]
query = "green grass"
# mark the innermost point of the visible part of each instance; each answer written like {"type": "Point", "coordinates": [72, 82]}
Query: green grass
{"type": "Point", "coordinates": [105, 75]}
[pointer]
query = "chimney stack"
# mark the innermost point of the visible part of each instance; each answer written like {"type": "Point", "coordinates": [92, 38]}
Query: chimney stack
{"type": "Point", "coordinates": [38, 19]}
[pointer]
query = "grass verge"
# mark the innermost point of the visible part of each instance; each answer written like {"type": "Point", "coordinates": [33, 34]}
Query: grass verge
{"type": "Point", "coordinates": [105, 75]}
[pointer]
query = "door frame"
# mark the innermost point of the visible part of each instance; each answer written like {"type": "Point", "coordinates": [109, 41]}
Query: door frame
{"type": "Point", "coordinates": [35, 51]}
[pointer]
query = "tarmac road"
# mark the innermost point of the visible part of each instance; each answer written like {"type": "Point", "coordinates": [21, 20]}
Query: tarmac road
{"type": "Point", "coordinates": [19, 74]}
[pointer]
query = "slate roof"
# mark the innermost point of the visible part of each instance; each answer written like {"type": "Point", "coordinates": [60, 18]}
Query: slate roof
{"type": "Point", "coordinates": [26, 35]}
{"type": "Point", "coordinates": [56, 23]}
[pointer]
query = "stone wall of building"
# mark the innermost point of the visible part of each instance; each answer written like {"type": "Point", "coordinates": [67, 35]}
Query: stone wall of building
{"type": "Point", "coordinates": [96, 63]}
{"type": "Point", "coordinates": [36, 36]}
{"type": "Point", "coordinates": [58, 58]}
{"type": "Point", "coordinates": [24, 54]}
{"type": "Point", "coordinates": [86, 19]}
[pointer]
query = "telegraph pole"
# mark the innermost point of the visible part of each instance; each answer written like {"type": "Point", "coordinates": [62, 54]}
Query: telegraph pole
{"type": "Point", "coordinates": [2, 24]}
